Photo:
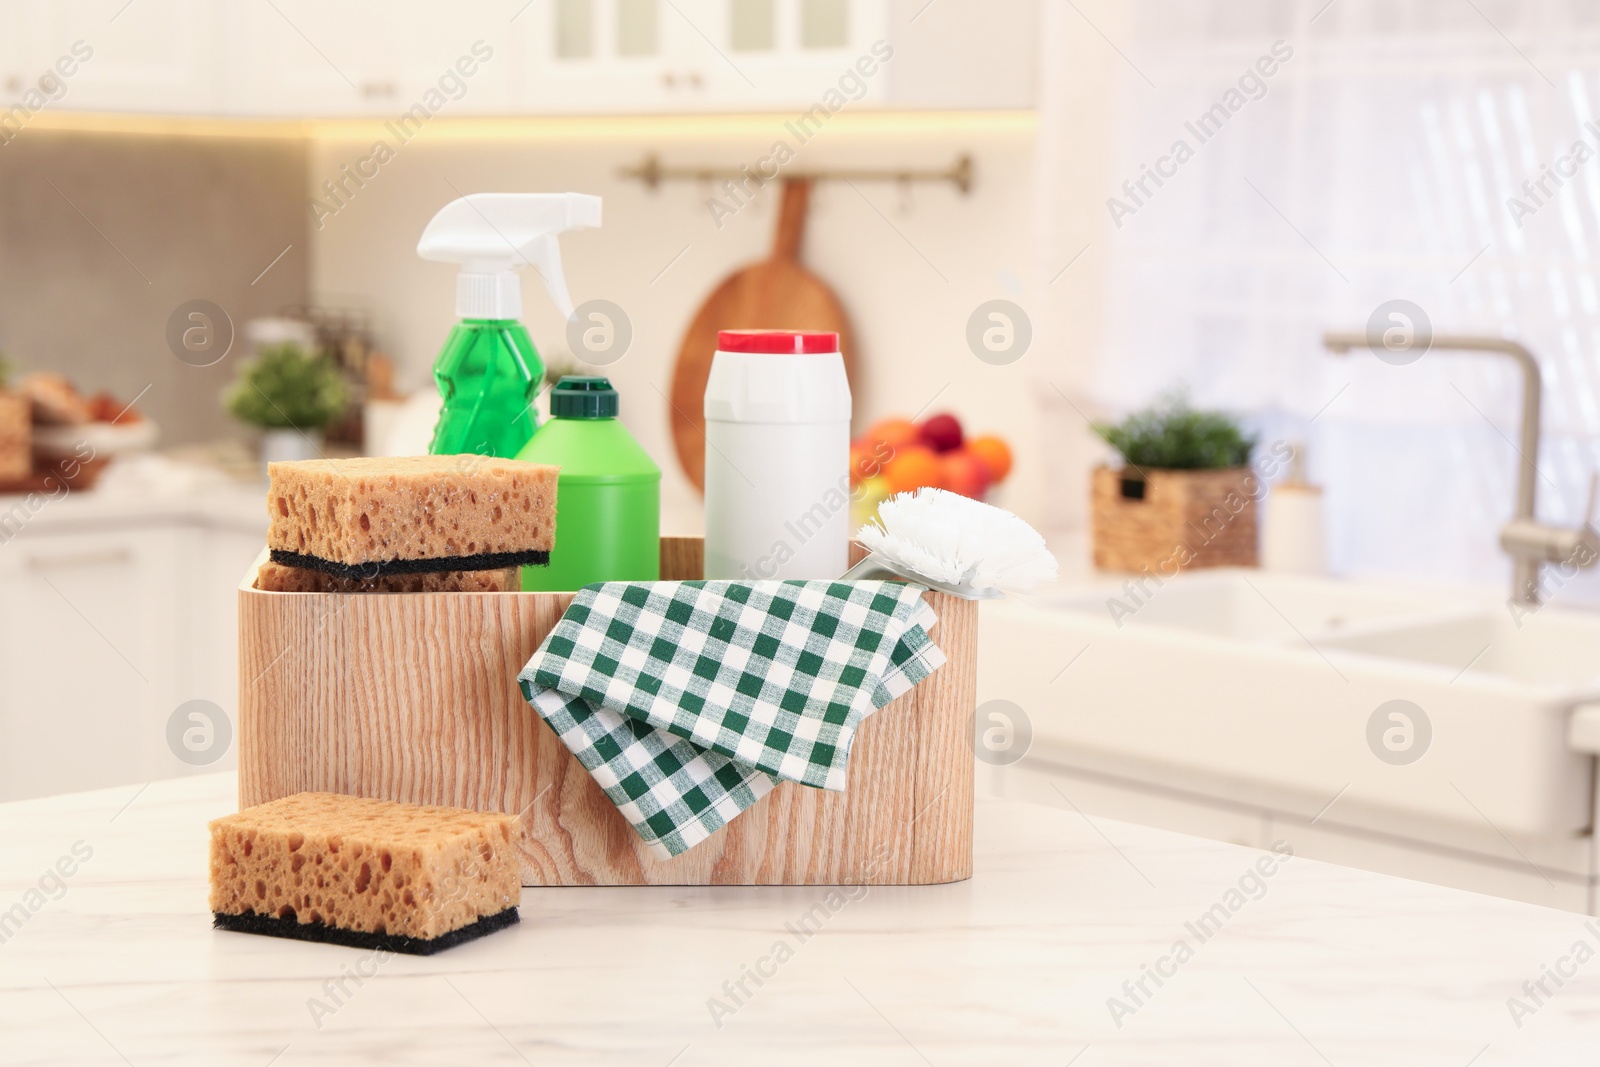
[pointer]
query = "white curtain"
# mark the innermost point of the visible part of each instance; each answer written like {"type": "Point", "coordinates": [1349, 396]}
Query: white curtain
{"type": "Point", "coordinates": [1376, 164]}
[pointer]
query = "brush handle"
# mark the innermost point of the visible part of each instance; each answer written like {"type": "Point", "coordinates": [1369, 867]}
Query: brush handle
{"type": "Point", "coordinates": [874, 567]}
{"type": "Point", "coordinates": [869, 568]}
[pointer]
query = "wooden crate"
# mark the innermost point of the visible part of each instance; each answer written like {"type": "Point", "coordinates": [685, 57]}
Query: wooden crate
{"type": "Point", "coordinates": [1171, 520]}
{"type": "Point", "coordinates": [413, 697]}
{"type": "Point", "coordinates": [16, 437]}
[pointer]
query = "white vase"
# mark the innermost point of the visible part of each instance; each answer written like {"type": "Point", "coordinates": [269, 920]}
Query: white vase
{"type": "Point", "coordinates": [279, 446]}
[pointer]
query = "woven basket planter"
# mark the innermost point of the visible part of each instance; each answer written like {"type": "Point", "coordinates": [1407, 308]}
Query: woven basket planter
{"type": "Point", "coordinates": [16, 437]}
{"type": "Point", "coordinates": [1169, 520]}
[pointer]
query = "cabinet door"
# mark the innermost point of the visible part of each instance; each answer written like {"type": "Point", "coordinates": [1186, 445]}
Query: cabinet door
{"type": "Point", "coordinates": [602, 55]}
{"type": "Point", "coordinates": [88, 659]}
{"type": "Point", "coordinates": [694, 55]}
{"type": "Point", "coordinates": [363, 57]}
{"type": "Point", "coordinates": [798, 53]}
{"type": "Point", "coordinates": [218, 560]}
{"type": "Point", "coordinates": [16, 59]}
{"type": "Point", "coordinates": [146, 56]}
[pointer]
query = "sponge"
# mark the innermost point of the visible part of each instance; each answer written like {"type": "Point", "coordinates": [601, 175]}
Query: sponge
{"type": "Point", "coordinates": [367, 873]}
{"type": "Point", "coordinates": [276, 578]}
{"type": "Point", "coordinates": [358, 518]}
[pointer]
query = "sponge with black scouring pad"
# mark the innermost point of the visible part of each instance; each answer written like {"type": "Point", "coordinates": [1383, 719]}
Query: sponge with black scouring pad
{"type": "Point", "coordinates": [365, 873]}
{"type": "Point", "coordinates": [364, 518]}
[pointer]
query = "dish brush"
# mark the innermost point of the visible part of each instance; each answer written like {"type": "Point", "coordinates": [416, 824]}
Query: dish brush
{"type": "Point", "coordinates": [954, 544]}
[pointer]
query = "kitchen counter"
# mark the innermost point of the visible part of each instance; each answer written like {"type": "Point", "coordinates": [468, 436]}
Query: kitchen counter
{"type": "Point", "coordinates": [1300, 963]}
{"type": "Point", "coordinates": [140, 491]}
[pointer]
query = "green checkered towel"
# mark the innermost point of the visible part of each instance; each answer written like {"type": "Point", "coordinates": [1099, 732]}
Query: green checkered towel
{"type": "Point", "coordinates": [690, 701]}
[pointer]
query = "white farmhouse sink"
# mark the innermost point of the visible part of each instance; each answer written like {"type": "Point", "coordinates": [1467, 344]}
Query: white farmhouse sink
{"type": "Point", "coordinates": [1243, 604]}
{"type": "Point", "coordinates": [1272, 681]}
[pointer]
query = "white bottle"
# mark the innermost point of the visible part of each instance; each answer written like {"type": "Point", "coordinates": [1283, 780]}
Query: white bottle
{"type": "Point", "coordinates": [777, 410]}
{"type": "Point", "coordinates": [1292, 538]}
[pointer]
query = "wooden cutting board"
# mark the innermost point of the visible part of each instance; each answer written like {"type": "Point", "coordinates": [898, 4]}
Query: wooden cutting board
{"type": "Point", "coordinates": [775, 294]}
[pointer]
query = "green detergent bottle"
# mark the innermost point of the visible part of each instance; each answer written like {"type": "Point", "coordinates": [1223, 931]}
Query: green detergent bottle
{"type": "Point", "coordinates": [489, 371]}
{"type": "Point", "coordinates": [608, 497]}
{"type": "Point", "coordinates": [487, 374]}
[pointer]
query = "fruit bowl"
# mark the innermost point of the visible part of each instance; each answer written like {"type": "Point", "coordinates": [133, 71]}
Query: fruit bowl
{"type": "Point", "coordinates": [103, 439]}
{"type": "Point", "coordinates": [898, 455]}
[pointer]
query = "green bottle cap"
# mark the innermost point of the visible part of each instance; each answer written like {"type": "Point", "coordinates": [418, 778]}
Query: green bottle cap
{"type": "Point", "coordinates": [578, 397]}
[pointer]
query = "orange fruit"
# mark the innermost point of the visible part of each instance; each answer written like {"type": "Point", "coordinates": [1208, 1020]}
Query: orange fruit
{"type": "Point", "coordinates": [912, 467]}
{"type": "Point", "coordinates": [868, 458]}
{"type": "Point", "coordinates": [995, 454]}
{"type": "Point", "coordinates": [864, 462]}
{"type": "Point", "coordinates": [896, 433]}
{"type": "Point", "coordinates": [965, 473]}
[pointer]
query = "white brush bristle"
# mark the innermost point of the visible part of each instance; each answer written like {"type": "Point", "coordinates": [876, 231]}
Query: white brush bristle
{"type": "Point", "coordinates": [943, 535]}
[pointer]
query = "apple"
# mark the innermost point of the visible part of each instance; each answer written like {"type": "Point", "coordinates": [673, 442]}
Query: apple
{"type": "Point", "coordinates": [942, 433]}
{"type": "Point", "coordinates": [964, 473]}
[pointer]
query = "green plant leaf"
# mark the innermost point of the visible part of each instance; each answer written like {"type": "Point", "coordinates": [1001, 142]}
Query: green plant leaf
{"type": "Point", "coordinates": [1171, 435]}
{"type": "Point", "coordinates": [286, 386]}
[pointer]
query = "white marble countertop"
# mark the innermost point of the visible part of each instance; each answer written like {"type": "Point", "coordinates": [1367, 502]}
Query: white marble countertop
{"type": "Point", "coordinates": [1312, 964]}
{"type": "Point", "coordinates": [140, 490]}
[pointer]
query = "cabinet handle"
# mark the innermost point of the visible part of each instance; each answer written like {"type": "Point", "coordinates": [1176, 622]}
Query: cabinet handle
{"type": "Point", "coordinates": [13, 84]}
{"type": "Point", "coordinates": [669, 80]}
{"type": "Point", "coordinates": [79, 559]}
{"type": "Point", "coordinates": [376, 89]}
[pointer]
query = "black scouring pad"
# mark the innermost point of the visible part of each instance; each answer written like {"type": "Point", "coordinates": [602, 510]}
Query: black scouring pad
{"type": "Point", "coordinates": [487, 561]}
{"type": "Point", "coordinates": [251, 923]}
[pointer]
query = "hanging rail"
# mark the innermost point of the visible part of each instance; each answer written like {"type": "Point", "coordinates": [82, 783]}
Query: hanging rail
{"type": "Point", "coordinates": [653, 172]}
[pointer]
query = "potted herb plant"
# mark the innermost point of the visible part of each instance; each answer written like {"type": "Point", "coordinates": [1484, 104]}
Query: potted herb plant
{"type": "Point", "coordinates": [1184, 496]}
{"type": "Point", "coordinates": [291, 393]}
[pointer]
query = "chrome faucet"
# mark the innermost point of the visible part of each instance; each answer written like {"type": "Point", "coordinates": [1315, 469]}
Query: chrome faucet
{"type": "Point", "coordinates": [1529, 542]}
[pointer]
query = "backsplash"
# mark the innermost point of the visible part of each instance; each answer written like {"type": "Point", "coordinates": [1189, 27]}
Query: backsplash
{"type": "Point", "coordinates": [910, 266]}
{"type": "Point", "coordinates": [103, 236]}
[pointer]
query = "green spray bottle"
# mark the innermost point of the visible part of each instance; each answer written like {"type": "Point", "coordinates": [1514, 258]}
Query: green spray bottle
{"type": "Point", "coordinates": [608, 495]}
{"type": "Point", "coordinates": [489, 372]}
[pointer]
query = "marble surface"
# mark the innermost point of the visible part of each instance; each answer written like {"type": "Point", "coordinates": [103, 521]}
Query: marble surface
{"type": "Point", "coordinates": [143, 490]}
{"type": "Point", "coordinates": [116, 962]}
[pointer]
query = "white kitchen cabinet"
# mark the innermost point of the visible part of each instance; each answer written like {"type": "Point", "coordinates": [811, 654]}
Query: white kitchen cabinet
{"type": "Point", "coordinates": [88, 671]}
{"type": "Point", "coordinates": [689, 55]}
{"type": "Point", "coordinates": [110, 55]}
{"type": "Point", "coordinates": [309, 59]}
{"type": "Point", "coordinates": [965, 55]}
{"type": "Point", "coordinates": [16, 53]}
{"type": "Point", "coordinates": [209, 666]}
{"type": "Point", "coordinates": [362, 57]}
{"type": "Point", "coordinates": [108, 624]}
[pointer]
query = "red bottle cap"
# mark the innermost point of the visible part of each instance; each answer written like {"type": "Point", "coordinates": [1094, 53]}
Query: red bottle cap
{"type": "Point", "coordinates": [793, 342]}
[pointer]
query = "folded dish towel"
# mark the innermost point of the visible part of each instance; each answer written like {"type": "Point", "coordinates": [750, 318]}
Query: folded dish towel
{"type": "Point", "coordinates": [689, 701]}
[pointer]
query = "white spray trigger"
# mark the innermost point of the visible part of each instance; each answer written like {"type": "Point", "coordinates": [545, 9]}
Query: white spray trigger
{"type": "Point", "coordinates": [544, 256]}
{"type": "Point", "coordinates": [491, 236]}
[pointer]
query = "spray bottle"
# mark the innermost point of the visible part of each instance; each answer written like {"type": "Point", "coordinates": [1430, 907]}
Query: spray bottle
{"type": "Point", "coordinates": [489, 371]}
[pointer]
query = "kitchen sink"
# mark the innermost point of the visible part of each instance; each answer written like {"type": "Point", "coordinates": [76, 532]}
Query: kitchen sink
{"type": "Point", "coordinates": [1246, 605]}
{"type": "Point", "coordinates": [1288, 683]}
{"type": "Point", "coordinates": [1553, 649]}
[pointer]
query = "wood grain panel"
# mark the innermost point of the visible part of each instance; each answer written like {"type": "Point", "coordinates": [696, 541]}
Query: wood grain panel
{"type": "Point", "coordinates": [412, 697]}
{"type": "Point", "coordinates": [777, 293]}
